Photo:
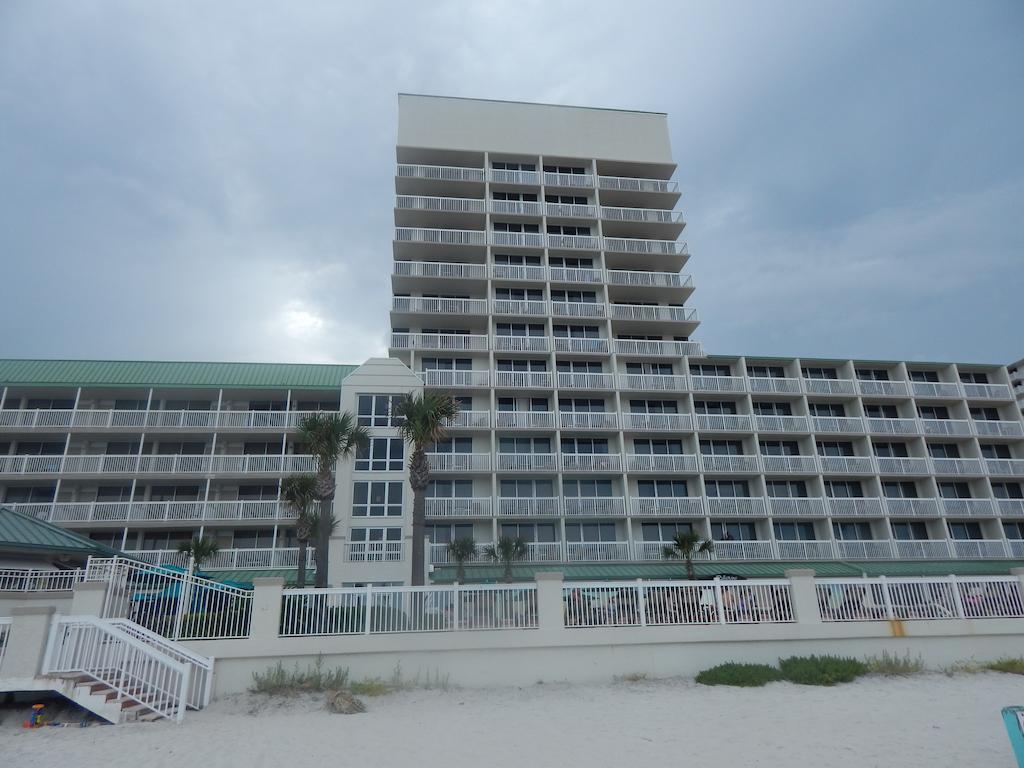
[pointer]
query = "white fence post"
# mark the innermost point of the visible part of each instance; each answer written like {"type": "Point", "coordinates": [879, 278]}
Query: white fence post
{"type": "Point", "coordinates": [886, 598]}
{"type": "Point", "coordinates": [804, 595]}
{"type": "Point", "coordinates": [550, 614]}
{"type": "Point", "coordinates": [88, 598]}
{"type": "Point", "coordinates": [369, 609]}
{"type": "Point", "coordinates": [719, 603]}
{"type": "Point", "coordinates": [456, 600]}
{"type": "Point", "coordinates": [958, 599]}
{"type": "Point", "coordinates": [266, 607]}
{"type": "Point", "coordinates": [642, 595]}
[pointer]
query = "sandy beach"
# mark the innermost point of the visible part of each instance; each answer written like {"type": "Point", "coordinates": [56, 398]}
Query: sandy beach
{"type": "Point", "coordinates": [926, 720]}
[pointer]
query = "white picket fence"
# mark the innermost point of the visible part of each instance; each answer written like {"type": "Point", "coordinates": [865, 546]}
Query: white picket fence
{"type": "Point", "coordinates": [384, 610]}
{"type": "Point", "coordinates": [659, 603]}
{"type": "Point", "coordinates": [949, 597]}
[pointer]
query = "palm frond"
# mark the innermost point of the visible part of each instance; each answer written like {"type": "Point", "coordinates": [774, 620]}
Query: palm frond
{"type": "Point", "coordinates": [425, 418]}
{"type": "Point", "coordinates": [332, 436]}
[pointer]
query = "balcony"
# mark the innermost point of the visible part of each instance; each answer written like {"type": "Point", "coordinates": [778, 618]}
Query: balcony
{"type": "Point", "coordinates": [446, 237]}
{"type": "Point", "coordinates": [788, 506]}
{"type": "Point", "coordinates": [521, 344]}
{"type": "Point", "coordinates": [445, 378]}
{"type": "Point", "coordinates": [958, 466]}
{"type": "Point", "coordinates": [871, 388]}
{"type": "Point", "coordinates": [661, 462]}
{"type": "Point", "coordinates": [541, 506]}
{"type": "Point", "coordinates": [520, 307]}
{"type": "Point", "coordinates": [459, 462]}
{"type": "Point", "coordinates": [577, 309]}
{"type": "Point", "coordinates": [526, 273]}
{"type": "Point", "coordinates": [596, 551]}
{"type": "Point", "coordinates": [922, 549]}
{"type": "Point", "coordinates": [913, 507]}
{"type": "Point", "coordinates": [979, 549]}
{"type": "Point", "coordinates": [902, 465]}
{"type": "Point", "coordinates": [591, 462]}
{"type": "Point", "coordinates": [806, 550]}
{"type": "Point", "coordinates": [1015, 547]}
{"type": "Point", "coordinates": [657, 422]}
{"type": "Point", "coordinates": [969, 507]}
{"type": "Point", "coordinates": [946, 427]}
{"type": "Point", "coordinates": [1005, 467]}
{"type": "Point", "coordinates": [654, 348]}
{"type": "Point", "coordinates": [581, 346]}
{"type": "Point", "coordinates": [772, 385]}
{"type": "Point", "coordinates": [945, 390]}
{"type": "Point", "coordinates": [517, 239]}
{"type": "Point", "coordinates": [730, 464]}
{"type": "Point", "coordinates": [441, 204]}
{"type": "Point", "coordinates": [441, 342]}
{"type": "Point", "coordinates": [998, 428]}
{"type": "Point", "coordinates": [791, 424]}
{"type": "Point", "coordinates": [864, 550]}
{"type": "Point", "coordinates": [639, 279]}
{"type": "Point", "coordinates": [686, 506]}
{"type": "Point", "coordinates": [652, 382]}
{"type": "Point", "coordinates": [229, 559]}
{"type": "Point", "coordinates": [573, 242]}
{"type": "Point", "coordinates": [569, 211]}
{"type": "Point", "coordinates": [526, 462]}
{"type": "Point", "coordinates": [830, 386]}
{"type": "Point", "coordinates": [515, 208]}
{"type": "Point", "coordinates": [744, 550]}
{"type": "Point", "coordinates": [440, 173]}
{"type": "Point", "coordinates": [1010, 507]}
{"type": "Point", "coordinates": [855, 507]}
{"type": "Point", "coordinates": [594, 507]}
{"type": "Point", "coordinates": [440, 269]}
{"type": "Point", "coordinates": [837, 424]}
{"type": "Point", "coordinates": [155, 511]}
{"type": "Point", "coordinates": [722, 422]}
{"type": "Point", "coordinates": [661, 313]}
{"type": "Point", "coordinates": [440, 555]}
{"type": "Point", "coordinates": [471, 420]}
{"type": "Point", "coordinates": [987, 391]}
{"type": "Point", "coordinates": [424, 305]}
{"type": "Point", "coordinates": [587, 420]}
{"type": "Point", "coordinates": [523, 380]}
{"type": "Point", "coordinates": [790, 464]}
{"type": "Point", "coordinates": [628, 184]}
{"type": "Point", "coordinates": [891, 426]}
{"type": "Point", "coordinates": [501, 176]}
{"type": "Point", "coordinates": [569, 180]}
{"type": "Point", "coordinates": [151, 464]}
{"type": "Point", "coordinates": [736, 506]}
{"type": "Point", "coordinates": [462, 507]}
{"type": "Point", "coordinates": [717, 383]}
{"type": "Point", "coordinates": [642, 215]}
{"type": "Point", "coordinates": [847, 465]}
{"type": "Point", "coordinates": [524, 420]}
{"type": "Point", "coordinates": [575, 275]}
{"type": "Point", "coordinates": [586, 381]}
{"type": "Point", "coordinates": [374, 551]}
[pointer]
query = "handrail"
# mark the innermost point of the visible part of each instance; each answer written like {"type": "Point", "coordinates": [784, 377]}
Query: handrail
{"type": "Point", "coordinates": [202, 678]}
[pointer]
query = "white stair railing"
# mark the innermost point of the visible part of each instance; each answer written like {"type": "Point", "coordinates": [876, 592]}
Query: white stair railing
{"type": "Point", "coordinates": [201, 686]}
{"type": "Point", "coordinates": [96, 648]}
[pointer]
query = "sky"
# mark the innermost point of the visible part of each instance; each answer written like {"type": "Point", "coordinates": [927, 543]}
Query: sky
{"type": "Point", "coordinates": [215, 180]}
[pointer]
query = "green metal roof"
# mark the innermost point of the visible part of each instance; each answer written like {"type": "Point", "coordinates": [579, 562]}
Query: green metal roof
{"type": "Point", "coordinates": [245, 576]}
{"type": "Point", "coordinates": [22, 533]}
{"type": "Point", "coordinates": [751, 570]}
{"type": "Point", "coordinates": [140, 373]}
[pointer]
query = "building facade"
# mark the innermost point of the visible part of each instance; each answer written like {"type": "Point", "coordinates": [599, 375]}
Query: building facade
{"type": "Point", "coordinates": [1016, 371]}
{"type": "Point", "coordinates": [538, 278]}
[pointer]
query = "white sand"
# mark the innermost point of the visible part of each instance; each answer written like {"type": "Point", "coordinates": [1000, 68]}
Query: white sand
{"type": "Point", "coordinates": [927, 720]}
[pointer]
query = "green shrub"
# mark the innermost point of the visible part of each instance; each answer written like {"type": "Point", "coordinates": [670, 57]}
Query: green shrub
{"type": "Point", "coordinates": [821, 670]}
{"type": "Point", "coordinates": [748, 675]}
{"type": "Point", "coordinates": [890, 664]}
{"type": "Point", "coordinates": [279, 681]}
{"type": "Point", "coordinates": [1013, 666]}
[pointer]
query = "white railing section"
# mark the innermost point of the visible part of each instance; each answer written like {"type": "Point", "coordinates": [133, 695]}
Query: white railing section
{"type": "Point", "coordinates": [5, 630]}
{"type": "Point", "coordinates": [950, 597]}
{"type": "Point", "coordinates": [86, 645]}
{"type": "Point", "coordinates": [659, 603]}
{"type": "Point", "coordinates": [387, 610]}
{"type": "Point", "coordinates": [39, 580]}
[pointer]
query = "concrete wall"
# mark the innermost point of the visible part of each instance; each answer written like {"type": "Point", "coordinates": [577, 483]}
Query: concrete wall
{"type": "Point", "coordinates": [11, 600]}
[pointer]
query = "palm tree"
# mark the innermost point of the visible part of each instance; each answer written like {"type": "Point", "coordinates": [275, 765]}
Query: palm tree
{"type": "Point", "coordinates": [461, 550]}
{"type": "Point", "coordinates": [329, 437]}
{"type": "Point", "coordinates": [685, 546]}
{"type": "Point", "coordinates": [425, 421]}
{"type": "Point", "coordinates": [506, 551]}
{"type": "Point", "coordinates": [200, 549]}
{"type": "Point", "coordinates": [299, 492]}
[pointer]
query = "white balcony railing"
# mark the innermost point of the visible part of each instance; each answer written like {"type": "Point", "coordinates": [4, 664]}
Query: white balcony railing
{"type": "Point", "coordinates": [576, 180]}
{"type": "Point", "coordinates": [793, 424]}
{"type": "Point", "coordinates": [685, 506]}
{"type": "Point", "coordinates": [441, 342]}
{"type": "Point", "coordinates": [921, 549]}
{"type": "Point", "coordinates": [870, 387]}
{"type": "Point", "coordinates": [657, 312]}
{"type": "Point", "coordinates": [745, 506]}
{"type": "Point", "coordinates": [806, 550]}
{"type": "Point", "coordinates": [254, 559]}
{"type": "Point", "coordinates": [986, 391]}
{"type": "Point", "coordinates": [447, 237]}
{"type": "Point", "coordinates": [648, 279]}
{"type": "Point", "coordinates": [847, 465]}
{"type": "Point", "coordinates": [428, 305]}
{"type": "Point", "coordinates": [521, 344]}
{"type": "Point", "coordinates": [657, 422]}
{"type": "Point", "coordinates": [445, 378]}
{"type": "Point", "coordinates": [642, 215]}
{"type": "Point", "coordinates": [730, 464]}
{"type": "Point", "coordinates": [459, 462]}
{"type": "Point", "coordinates": [773, 385]}
{"type": "Point", "coordinates": [471, 420]}
{"type": "Point", "coordinates": [440, 173]}
{"type": "Point", "coordinates": [913, 507]}
{"type": "Point", "coordinates": [656, 348]}
{"type": "Point", "coordinates": [837, 424]}
{"type": "Point", "coordinates": [744, 550]}
{"type": "Point", "coordinates": [575, 275]}
{"type": "Point", "coordinates": [150, 464]}
{"type": "Point", "coordinates": [1010, 507]}
{"type": "Point", "coordinates": [523, 379]}
{"type": "Point", "coordinates": [524, 420]}
{"type": "Point", "coordinates": [936, 389]}
{"type": "Point", "coordinates": [644, 246]}
{"type": "Point", "coordinates": [582, 346]}
{"type": "Point", "coordinates": [520, 272]}
{"type": "Point", "coordinates": [1014, 467]}
{"type": "Point", "coordinates": [790, 464]}
{"type": "Point", "coordinates": [578, 309]}
{"type": "Point", "coordinates": [540, 506]}
{"type": "Point", "coordinates": [586, 380]}
{"type": "Point", "coordinates": [526, 462]}
{"type": "Point", "coordinates": [978, 549]}
{"type": "Point", "coordinates": [594, 507]}
{"type": "Point", "coordinates": [951, 427]}
{"type": "Point", "coordinates": [865, 549]}
{"type": "Point", "coordinates": [501, 176]}
{"type": "Point", "coordinates": [722, 422]}
{"type": "Point", "coordinates": [440, 269]}
{"type": "Point", "coordinates": [945, 466]}
{"type": "Point", "coordinates": [596, 551]}
{"type": "Point", "coordinates": [718, 383]}
{"type": "Point", "coordinates": [523, 307]}
{"type": "Point", "coordinates": [150, 511]}
{"type": "Point", "coordinates": [591, 462]}
{"type": "Point", "coordinates": [857, 507]}
{"type": "Point", "coordinates": [460, 507]}
{"type": "Point", "coordinates": [629, 184]}
{"type": "Point", "coordinates": [374, 551]}
{"type": "Point", "coordinates": [652, 382]}
{"type": "Point", "coordinates": [998, 428]}
{"type": "Point", "coordinates": [661, 462]}
{"type": "Point", "coordinates": [588, 420]}
{"type": "Point", "coordinates": [830, 386]}
{"type": "Point", "coordinates": [797, 507]}
{"type": "Point", "coordinates": [969, 507]}
{"type": "Point", "coordinates": [441, 204]}
{"type": "Point", "coordinates": [878, 426]}
{"type": "Point", "coordinates": [570, 211]}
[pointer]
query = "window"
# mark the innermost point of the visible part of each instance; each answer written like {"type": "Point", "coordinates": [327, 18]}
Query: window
{"type": "Point", "coordinates": [526, 489]}
{"type": "Point", "coordinates": [187, 405]}
{"type": "Point", "coordinates": [659, 369]}
{"type": "Point", "coordinates": [726, 488]}
{"type": "Point", "coordinates": [505, 226]}
{"type": "Point", "coordinates": [317, 405]}
{"type": "Point", "coordinates": [129, 404]}
{"type": "Point", "coordinates": [519, 329]}
{"type": "Point", "coordinates": [375, 544]}
{"type": "Point", "coordinates": [576, 331]}
{"type": "Point", "coordinates": [526, 197]}
{"type": "Point", "coordinates": [530, 532]}
{"type": "Point", "coordinates": [121, 448]}
{"type": "Point", "coordinates": [38, 448]}
{"type": "Point", "coordinates": [590, 532]}
{"type": "Point", "coordinates": [565, 199]}
{"type": "Point", "coordinates": [998, 451]}
{"type": "Point", "coordinates": [910, 531]}
{"type": "Point", "coordinates": [584, 445]}
{"type": "Point", "coordinates": [262, 448]}
{"type": "Point", "coordinates": [174, 493]}
{"type": "Point", "coordinates": [517, 260]}
{"type": "Point", "coordinates": [31, 494]}
{"type": "Point", "coordinates": [925, 376]}
{"type": "Point", "coordinates": [578, 366]}
{"type": "Point", "coordinates": [579, 297]}
{"type": "Point", "coordinates": [257, 492]}
{"type": "Point", "coordinates": [446, 364]}
{"type": "Point", "coordinates": [709, 369]}
{"type": "Point", "coordinates": [965, 530]}
{"type": "Point", "coordinates": [779, 448]}
{"type": "Point", "coordinates": [569, 169]}
{"type": "Point", "coordinates": [794, 531]}
{"type": "Point", "coordinates": [721, 447]}
{"type": "Point", "coordinates": [955, 490]}
{"type": "Point", "coordinates": [899, 490]}
{"type": "Point", "coordinates": [852, 531]}
{"type": "Point", "coordinates": [943, 450]}
{"type": "Point", "coordinates": [501, 165]}
{"type": "Point", "coordinates": [664, 531]}
{"type": "Point", "coordinates": [450, 489]}
{"type": "Point", "coordinates": [524, 445]}
{"type": "Point", "coordinates": [452, 445]}
{"type": "Point", "coordinates": [377, 410]}
{"type": "Point", "coordinates": [653, 406]}
{"type": "Point", "coordinates": [786, 489]}
{"type": "Point", "coordinates": [50, 403]}
{"type": "Point", "coordinates": [772, 408]}
{"type": "Point", "coordinates": [581, 405]}
{"type": "Point", "coordinates": [733, 531]}
{"type": "Point", "coordinates": [1007, 490]}
{"type": "Point", "coordinates": [562, 229]}
{"type": "Point", "coordinates": [107, 538]}
{"type": "Point", "coordinates": [521, 366]}
{"type": "Point", "coordinates": [377, 499]}
{"type": "Point", "coordinates": [891, 450]}
{"type": "Point", "coordinates": [820, 373]}
{"type": "Point", "coordinates": [1014, 530]}
{"type": "Point", "coordinates": [384, 455]}
{"type": "Point", "coordinates": [587, 489]}
{"type": "Point", "coordinates": [657, 447]}
{"type": "Point", "coordinates": [827, 409]}
{"type": "Point", "coordinates": [267, 405]}
{"type": "Point", "coordinates": [519, 294]}
{"type": "Point", "coordinates": [165, 539]}
{"type": "Point", "coordinates": [880, 411]}
{"type": "Point", "coordinates": [570, 262]}
{"type": "Point", "coordinates": [835, 448]}
{"type": "Point", "coordinates": [727, 407]}
{"type": "Point", "coordinates": [984, 414]}
{"type": "Point", "coordinates": [662, 489]}
{"type": "Point", "coordinates": [766, 371]}
{"type": "Point", "coordinates": [973, 377]}
{"type": "Point", "coordinates": [872, 374]}
{"type": "Point", "coordinates": [184, 448]}
{"type": "Point", "coordinates": [933, 412]}
{"type": "Point", "coordinates": [843, 489]}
